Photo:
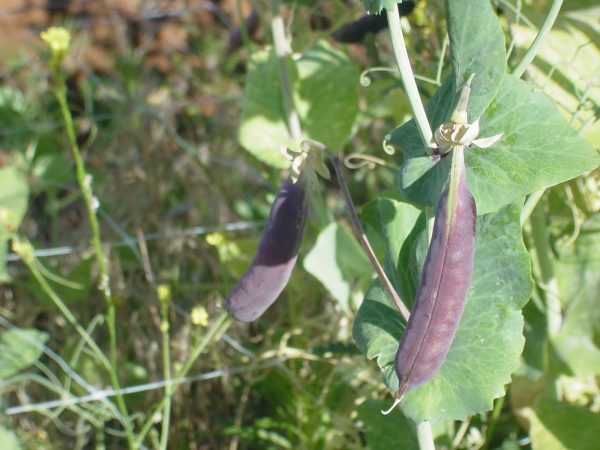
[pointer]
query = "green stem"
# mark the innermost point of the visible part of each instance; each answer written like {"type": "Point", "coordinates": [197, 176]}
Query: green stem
{"type": "Point", "coordinates": [25, 250]}
{"type": "Point", "coordinates": [85, 184]}
{"type": "Point", "coordinates": [492, 422]}
{"type": "Point", "coordinates": [425, 436]}
{"type": "Point", "coordinates": [243, 27]}
{"type": "Point", "coordinates": [540, 235]}
{"type": "Point", "coordinates": [281, 52]}
{"type": "Point", "coordinates": [438, 75]}
{"type": "Point", "coordinates": [530, 205]}
{"type": "Point", "coordinates": [164, 330]}
{"type": "Point", "coordinates": [408, 78]}
{"type": "Point", "coordinates": [358, 228]}
{"type": "Point", "coordinates": [362, 238]}
{"type": "Point", "coordinates": [456, 170]}
{"type": "Point", "coordinates": [548, 283]}
{"type": "Point", "coordinates": [539, 39]}
{"type": "Point", "coordinates": [220, 325]}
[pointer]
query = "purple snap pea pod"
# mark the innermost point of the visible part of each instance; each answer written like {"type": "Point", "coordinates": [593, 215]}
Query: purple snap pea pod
{"type": "Point", "coordinates": [444, 284]}
{"type": "Point", "coordinates": [276, 256]}
{"type": "Point", "coordinates": [448, 267]}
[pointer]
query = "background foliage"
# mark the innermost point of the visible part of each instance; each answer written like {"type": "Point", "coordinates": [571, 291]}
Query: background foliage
{"type": "Point", "coordinates": [171, 113]}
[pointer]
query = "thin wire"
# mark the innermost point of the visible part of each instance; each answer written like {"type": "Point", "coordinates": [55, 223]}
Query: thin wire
{"type": "Point", "coordinates": [62, 364]}
{"type": "Point", "coordinates": [103, 394]}
{"type": "Point", "coordinates": [194, 231]}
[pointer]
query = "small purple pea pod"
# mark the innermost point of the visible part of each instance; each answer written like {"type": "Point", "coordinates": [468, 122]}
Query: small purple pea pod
{"type": "Point", "coordinates": [276, 256]}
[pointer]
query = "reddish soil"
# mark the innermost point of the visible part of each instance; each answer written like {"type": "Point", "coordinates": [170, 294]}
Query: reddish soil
{"type": "Point", "coordinates": [159, 26]}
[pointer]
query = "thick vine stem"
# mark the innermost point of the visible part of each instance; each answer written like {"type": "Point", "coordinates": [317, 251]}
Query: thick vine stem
{"type": "Point", "coordinates": [408, 78]}
{"type": "Point", "coordinates": [425, 436]}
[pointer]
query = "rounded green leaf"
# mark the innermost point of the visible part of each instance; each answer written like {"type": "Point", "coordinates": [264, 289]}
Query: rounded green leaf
{"type": "Point", "coordinates": [263, 127]}
{"type": "Point", "coordinates": [538, 149]}
{"type": "Point", "coordinates": [337, 261]}
{"type": "Point", "coordinates": [476, 47]}
{"type": "Point", "coordinates": [19, 349]}
{"type": "Point", "coordinates": [489, 340]}
{"type": "Point", "coordinates": [324, 85]}
{"type": "Point", "coordinates": [14, 195]}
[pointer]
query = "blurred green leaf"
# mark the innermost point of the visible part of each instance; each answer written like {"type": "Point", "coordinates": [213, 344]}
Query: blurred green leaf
{"type": "Point", "coordinates": [8, 440]}
{"type": "Point", "coordinates": [14, 195]}
{"type": "Point", "coordinates": [325, 88]}
{"type": "Point", "coordinates": [327, 96]}
{"type": "Point", "coordinates": [561, 426]}
{"type": "Point", "coordinates": [15, 128]}
{"type": "Point", "coordinates": [567, 66]}
{"type": "Point", "coordinates": [75, 286]}
{"type": "Point", "coordinates": [19, 348]}
{"type": "Point", "coordinates": [489, 340]}
{"type": "Point", "coordinates": [338, 261]}
{"type": "Point", "coordinates": [578, 276]}
{"type": "Point", "coordinates": [51, 171]}
{"type": "Point", "coordinates": [535, 351]}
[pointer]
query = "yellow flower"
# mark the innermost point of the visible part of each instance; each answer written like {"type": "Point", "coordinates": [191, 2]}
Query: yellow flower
{"type": "Point", "coordinates": [200, 316]}
{"type": "Point", "coordinates": [163, 292]}
{"type": "Point", "coordinates": [24, 249]}
{"type": "Point", "coordinates": [215, 239]}
{"type": "Point", "coordinates": [58, 38]}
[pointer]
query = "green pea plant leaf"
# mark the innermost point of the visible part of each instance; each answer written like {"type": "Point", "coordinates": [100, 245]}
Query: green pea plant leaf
{"type": "Point", "coordinates": [338, 262]}
{"type": "Point", "coordinates": [538, 149]}
{"type": "Point", "coordinates": [488, 343]}
{"type": "Point", "coordinates": [14, 194]}
{"type": "Point", "coordinates": [325, 93]}
{"type": "Point", "coordinates": [19, 348]}
{"type": "Point", "coordinates": [477, 44]}
{"type": "Point", "coordinates": [382, 433]}
{"type": "Point", "coordinates": [561, 426]}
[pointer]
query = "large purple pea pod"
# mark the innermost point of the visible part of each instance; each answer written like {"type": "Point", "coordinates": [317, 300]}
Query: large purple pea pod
{"type": "Point", "coordinates": [444, 284]}
{"type": "Point", "coordinates": [276, 256]}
